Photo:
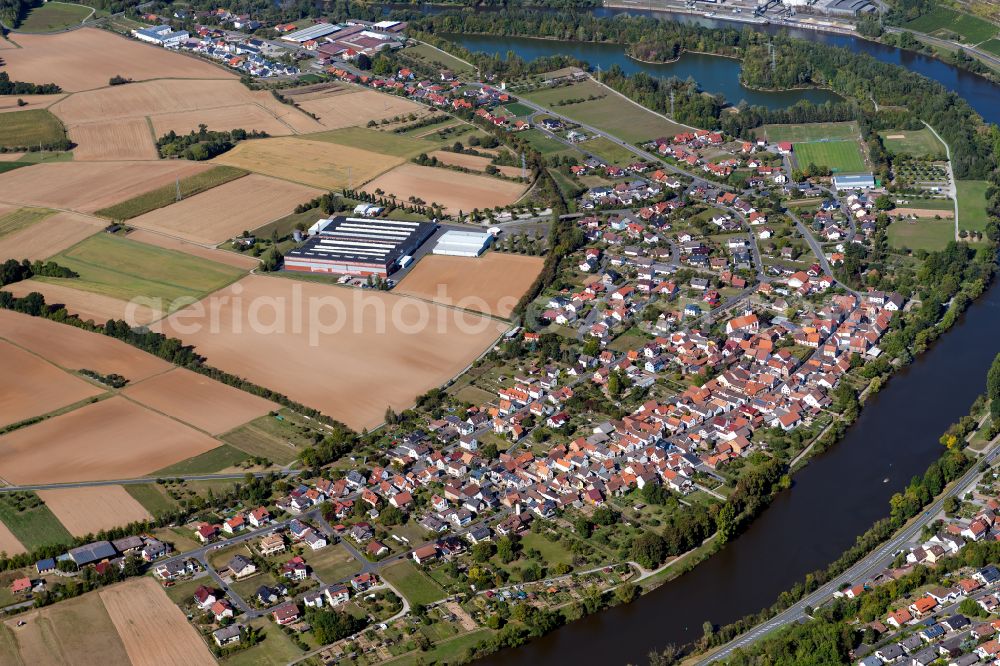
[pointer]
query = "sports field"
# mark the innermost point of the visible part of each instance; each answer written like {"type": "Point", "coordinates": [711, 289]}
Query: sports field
{"type": "Point", "coordinates": [30, 128]}
{"type": "Point", "coordinates": [608, 111]}
{"type": "Point", "coordinates": [124, 269]}
{"type": "Point", "coordinates": [54, 16]}
{"type": "Point", "coordinates": [839, 156]}
{"type": "Point", "coordinates": [918, 143]}
{"type": "Point", "coordinates": [346, 352]}
{"type": "Point", "coordinates": [941, 20]}
{"type": "Point", "coordinates": [972, 204]}
{"type": "Point", "coordinates": [809, 132]}
{"type": "Point", "coordinates": [926, 234]}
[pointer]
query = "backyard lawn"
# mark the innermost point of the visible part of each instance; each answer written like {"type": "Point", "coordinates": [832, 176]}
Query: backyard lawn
{"type": "Point", "coordinates": [415, 585]}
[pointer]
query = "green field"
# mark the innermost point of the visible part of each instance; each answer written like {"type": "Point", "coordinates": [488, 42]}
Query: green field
{"type": "Point", "coordinates": [417, 587]}
{"type": "Point", "coordinates": [276, 649]}
{"type": "Point", "coordinates": [609, 150]}
{"type": "Point", "coordinates": [209, 462]}
{"type": "Point", "coordinates": [972, 29]}
{"type": "Point", "coordinates": [610, 112]}
{"type": "Point", "coordinates": [151, 497]}
{"type": "Point", "coordinates": [333, 563]}
{"type": "Point", "coordinates": [992, 46]}
{"type": "Point", "coordinates": [125, 269]}
{"type": "Point", "coordinates": [267, 437]}
{"type": "Point", "coordinates": [166, 195]}
{"type": "Point", "coordinates": [972, 204]}
{"type": "Point", "coordinates": [839, 156]}
{"type": "Point", "coordinates": [35, 527]}
{"type": "Point", "coordinates": [809, 132]}
{"type": "Point", "coordinates": [30, 128]}
{"type": "Point", "coordinates": [918, 143]}
{"type": "Point", "coordinates": [22, 218]}
{"type": "Point", "coordinates": [446, 652]}
{"type": "Point", "coordinates": [544, 144]}
{"type": "Point", "coordinates": [518, 109]}
{"type": "Point", "coordinates": [385, 143]}
{"type": "Point", "coordinates": [431, 56]}
{"type": "Point", "coordinates": [921, 234]}
{"type": "Point", "coordinates": [54, 16]}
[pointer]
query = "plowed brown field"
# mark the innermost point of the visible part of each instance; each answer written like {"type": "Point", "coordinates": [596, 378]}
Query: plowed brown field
{"type": "Point", "coordinates": [120, 139]}
{"type": "Point", "coordinates": [85, 511]}
{"type": "Point", "coordinates": [37, 387]}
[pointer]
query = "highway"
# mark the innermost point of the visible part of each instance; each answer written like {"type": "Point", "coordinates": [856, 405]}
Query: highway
{"type": "Point", "coordinates": [861, 571]}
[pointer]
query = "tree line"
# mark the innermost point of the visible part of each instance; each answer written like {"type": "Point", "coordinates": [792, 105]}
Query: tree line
{"type": "Point", "coordinates": [203, 144]}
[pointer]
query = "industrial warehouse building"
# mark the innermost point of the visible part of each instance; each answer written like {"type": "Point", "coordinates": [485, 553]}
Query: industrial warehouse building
{"type": "Point", "coordinates": [358, 246]}
{"type": "Point", "coordinates": [463, 243]}
{"type": "Point", "coordinates": [311, 33]}
{"type": "Point", "coordinates": [858, 181]}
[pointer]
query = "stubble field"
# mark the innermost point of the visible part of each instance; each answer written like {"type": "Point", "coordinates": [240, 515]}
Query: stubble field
{"type": "Point", "coordinates": [9, 102]}
{"type": "Point", "coordinates": [110, 439]}
{"type": "Point", "coordinates": [85, 59]}
{"type": "Point", "coordinates": [455, 191]}
{"type": "Point", "coordinates": [351, 106]}
{"type": "Point", "coordinates": [474, 162]}
{"type": "Point", "coordinates": [10, 545]}
{"type": "Point", "coordinates": [372, 360]}
{"type": "Point", "coordinates": [153, 630]}
{"type": "Point", "coordinates": [89, 510]}
{"type": "Point", "coordinates": [242, 116]}
{"type": "Point", "coordinates": [195, 399]}
{"type": "Point", "coordinates": [120, 139]}
{"type": "Point", "coordinates": [225, 211]}
{"type": "Point", "coordinates": [86, 305]}
{"type": "Point", "coordinates": [219, 256]}
{"type": "Point", "coordinates": [48, 236]}
{"type": "Point", "coordinates": [491, 284]}
{"type": "Point", "coordinates": [39, 387]}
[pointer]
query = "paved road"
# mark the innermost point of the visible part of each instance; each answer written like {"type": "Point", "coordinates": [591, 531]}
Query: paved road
{"type": "Point", "coordinates": [817, 249]}
{"type": "Point", "coordinates": [862, 570]}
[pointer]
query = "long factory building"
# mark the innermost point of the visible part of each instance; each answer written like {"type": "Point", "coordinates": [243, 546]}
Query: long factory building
{"type": "Point", "coordinates": [358, 246]}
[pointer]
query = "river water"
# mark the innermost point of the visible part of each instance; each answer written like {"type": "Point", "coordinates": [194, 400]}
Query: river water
{"type": "Point", "coordinates": [842, 491]}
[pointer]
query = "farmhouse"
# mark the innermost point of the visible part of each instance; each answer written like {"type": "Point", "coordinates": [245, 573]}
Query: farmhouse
{"type": "Point", "coordinates": [463, 243]}
{"type": "Point", "coordinates": [358, 246]}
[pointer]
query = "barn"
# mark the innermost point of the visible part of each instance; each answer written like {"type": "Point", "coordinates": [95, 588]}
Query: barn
{"type": "Point", "coordinates": [358, 246]}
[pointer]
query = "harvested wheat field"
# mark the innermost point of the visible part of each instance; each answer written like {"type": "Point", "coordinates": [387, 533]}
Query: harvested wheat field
{"type": "Point", "coordinates": [110, 439]}
{"type": "Point", "coordinates": [349, 353]}
{"type": "Point", "coordinates": [122, 139]}
{"type": "Point", "coordinates": [10, 545]}
{"type": "Point", "coordinates": [154, 630]}
{"type": "Point", "coordinates": [243, 116]}
{"type": "Point", "coordinates": [222, 212]}
{"type": "Point", "coordinates": [85, 59]}
{"type": "Point", "coordinates": [453, 190]}
{"type": "Point", "coordinates": [86, 305]}
{"type": "Point", "coordinates": [90, 186]}
{"type": "Point", "coordinates": [347, 108]}
{"type": "Point", "coordinates": [10, 157]}
{"type": "Point", "coordinates": [75, 632]}
{"type": "Point", "coordinates": [40, 387]}
{"type": "Point", "coordinates": [84, 511]}
{"type": "Point", "coordinates": [199, 401]}
{"type": "Point", "coordinates": [473, 162]}
{"type": "Point", "coordinates": [212, 254]}
{"type": "Point", "coordinates": [491, 284]}
{"type": "Point", "coordinates": [9, 102]}
{"type": "Point", "coordinates": [315, 163]}
{"type": "Point", "coordinates": [922, 212]}
{"type": "Point", "coordinates": [49, 236]}
{"type": "Point", "coordinates": [73, 348]}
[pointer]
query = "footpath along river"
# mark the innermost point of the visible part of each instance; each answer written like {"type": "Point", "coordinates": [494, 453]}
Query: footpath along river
{"type": "Point", "coordinates": [842, 491]}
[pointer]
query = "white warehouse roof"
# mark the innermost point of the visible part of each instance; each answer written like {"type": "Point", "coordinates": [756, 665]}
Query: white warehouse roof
{"type": "Point", "coordinates": [463, 243]}
{"type": "Point", "coordinates": [312, 32]}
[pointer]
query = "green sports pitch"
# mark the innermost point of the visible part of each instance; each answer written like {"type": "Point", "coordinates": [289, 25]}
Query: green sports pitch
{"type": "Point", "coordinates": [839, 156]}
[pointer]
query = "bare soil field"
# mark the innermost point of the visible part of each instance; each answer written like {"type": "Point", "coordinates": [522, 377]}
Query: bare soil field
{"type": "Point", "coordinates": [154, 630]}
{"type": "Point", "coordinates": [111, 439]}
{"type": "Point", "coordinates": [346, 108]}
{"type": "Point", "coordinates": [315, 163]}
{"type": "Point", "coordinates": [86, 305]}
{"type": "Point", "coordinates": [121, 139]}
{"type": "Point", "coordinates": [222, 212]}
{"type": "Point", "coordinates": [90, 186]}
{"type": "Point", "coordinates": [921, 212]}
{"type": "Point", "coordinates": [218, 256]}
{"type": "Point", "coordinates": [491, 284]}
{"type": "Point", "coordinates": [242, 116]}
{"type": "Point", "coordinates": [85, 59]}
{"type": "Point", "coordinates": [89, 510]}
{"type": "Point", "coordinates": [199, 401]}
{"type": "Point", "coordinates": [474, 162]}
{"type": "Point", "coordinates": [9, 102]}
{"type": "Point", "coordinates": [40, 387]}
{"type": "Point", "coordinates": [10, 545]}
{"type": "Point", "coordinates": [10, 157]}
{"type": "Point", "coordinates": [349, 353]}
{"type": "Point", "coordinates": [453, 190]}
{"type": "Point", "coordinates": [49, 236]}
{"type": "Point", "coordinates": [73, 348]}
{"type": "Point", "coordinates": [75, 632]}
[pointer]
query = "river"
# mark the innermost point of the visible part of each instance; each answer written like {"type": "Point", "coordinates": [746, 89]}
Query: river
{"type": "Point", "coordinates": [843, 490]}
